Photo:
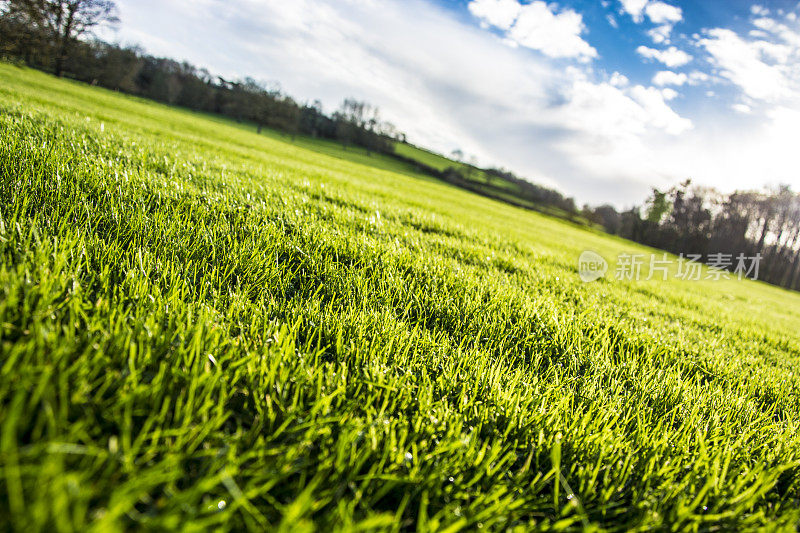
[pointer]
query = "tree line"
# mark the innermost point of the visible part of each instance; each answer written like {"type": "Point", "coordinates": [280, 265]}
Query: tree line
{"type": "Point", "coordinates": [689, 219]}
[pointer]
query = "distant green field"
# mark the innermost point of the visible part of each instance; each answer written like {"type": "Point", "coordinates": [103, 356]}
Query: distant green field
{"type": "Point", "coordinates": [439, 162]}
{"type": "Point", "coordinates": [493, 187]}
{"type": "Point", "coordinates": [204, 328]}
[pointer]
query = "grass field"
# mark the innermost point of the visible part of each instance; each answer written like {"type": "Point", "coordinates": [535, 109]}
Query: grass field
{"type": "Point", "coordinates": [201, 327]}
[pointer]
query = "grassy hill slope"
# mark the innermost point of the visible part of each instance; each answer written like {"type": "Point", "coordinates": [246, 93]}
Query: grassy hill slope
{"type": "Point", "coordinates": [204, 327]}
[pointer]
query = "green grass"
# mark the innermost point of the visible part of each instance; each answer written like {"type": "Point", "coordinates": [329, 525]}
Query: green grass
{"type": "Point", "coordinates": [201, 327]}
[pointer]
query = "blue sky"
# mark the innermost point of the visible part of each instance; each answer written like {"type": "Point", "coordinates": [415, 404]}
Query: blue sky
{"type": "Point", "coordinates": [600, 99]}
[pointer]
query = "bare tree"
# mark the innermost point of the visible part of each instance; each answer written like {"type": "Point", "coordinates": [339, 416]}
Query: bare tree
{"type": "Point", "coordinates": [61, 21]}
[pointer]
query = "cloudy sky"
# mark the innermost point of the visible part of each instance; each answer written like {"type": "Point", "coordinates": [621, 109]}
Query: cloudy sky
{"type": "Point", "coordinates": [601, 100]}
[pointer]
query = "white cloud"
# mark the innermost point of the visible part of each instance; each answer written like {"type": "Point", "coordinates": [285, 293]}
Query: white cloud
{"type": "Point", "coordinates": [498, 13]}
{"type": "Point", "coordinates": [619, 80]}
{"type": "Point", "coordinates": [696, 77]}
{"type": "Point", "coordinates": [667, 77]}
{"type": "Point", "coordinates": [669, 94]}
{"type": "Point", "coordinates": [663, 13]}
{"type": "Point", "coordinates": [661, 115]}
{"type": "Point", "coordinates": [759, 34]}
{"type": "Point", "coordinates": [671, 57]}
{"type": "Point", "coordinates": [635, 8]}
{"type": "Point", "coordinates": [536, 25]}
{"type": "Point", "coordinates": [742, 108]}
{"type": "Point", "coordinates": [744, 64]}
{"type": "Point", "coordinates": [766, 64]}
{"type": "Point", "coordinates": [660, 34]}
{"type": "Point", "coordinates": [620, 130]}
{"type": "Point", "coordinates": [615, 111]}
{"type": "Point", "coordinates": [783, 32]}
